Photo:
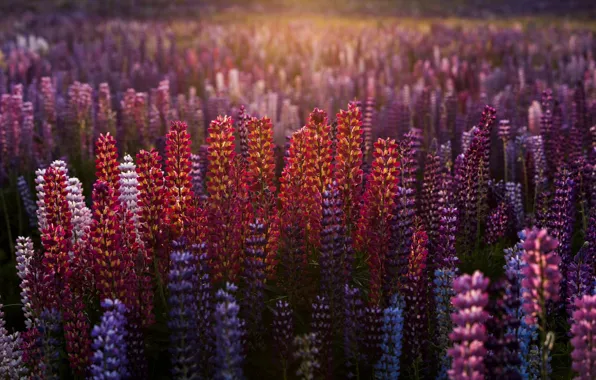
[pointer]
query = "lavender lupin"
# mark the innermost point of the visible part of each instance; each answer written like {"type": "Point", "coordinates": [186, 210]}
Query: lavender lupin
{"type": "Point", "coordinates": [50, 340]}
{"type": "Point", "coordinates": [109, 359]}
{"type": "Point", "coordinates": [228, 336]}
{"type": "Point", "coordinates": [24, 255]}
{"type": "Point", "coordinates": [333, 250]}
{"type": "Point", "coordinates": [183, 321]}
{"type": "Point", "coordinates": [525, 334]}
{"type": "Point", "coordinates": [254, 276]}
{"type": "Point", "coordinates": [443, 293]}
{"type": "Point", "coordinates": [501, 343]}
{"type": "Point", "coordinates": [283, 331]}
{"type": "Point", "coordinates": [321, 327]}
{"type": "Point", "coordinates": [11, 357]}
{"type": "Point", "coordinates": [580, 273]}
{"type": "Point", "coordinates": [353, 318]}
{"type": "Point", "coordinates": [27, 200]}
{"type": "Point", "coordinates": [388, 367]}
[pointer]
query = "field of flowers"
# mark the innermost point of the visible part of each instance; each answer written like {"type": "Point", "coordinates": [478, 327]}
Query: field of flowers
{"type": "Point", "coordinates": [297, 198]}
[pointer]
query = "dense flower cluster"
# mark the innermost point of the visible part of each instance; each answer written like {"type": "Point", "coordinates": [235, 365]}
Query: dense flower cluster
{"type": "Point", "coordinates": [469, 333]}
{"type": "Point", "coordinates": [583, 333]}
{"type": "Point", "coordinates": [219, 246]}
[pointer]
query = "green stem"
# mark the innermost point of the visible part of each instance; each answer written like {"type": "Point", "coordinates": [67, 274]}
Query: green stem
{"type": "Point", "coordinates": [7, 221]}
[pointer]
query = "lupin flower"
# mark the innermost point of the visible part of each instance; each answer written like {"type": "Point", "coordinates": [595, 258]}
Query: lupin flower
{"type": "Point", "coordinates": [367, 124]}
{"type": "Point", "coordinates": [379, 199]}
{"type": "Point", "coordinates": [388, 367]}
{"type": "Point", "coordinates": [224, 212]}
{"type": "Point", "coordinates": [547, 131]}
{"type": "Point", "coordinates": [11, 357]}
{"type": "Point", "coordinates": [321, 327]}
{"type": "Point", "coordinates": [109, 343]}
{"type": "Point", "coordinates": [335, 260]}
{"type": "Point", "coordinates": [228, 336]}
{"type": "Point", "coordinates": [537, 150]}
{"type": "Point", "coordinates": [13, 119]}
{"type": "Point", "coordinates": [129, 189]}
{"type": "Point", "coordinates": [296, 205]}
{"type": "Point", "coordinates": [40, 212]}
{"type": "Point", "coordinates": [306, 352]}
{"type": "Point", "coordinates": [372, 322]}
{"type": "Point", "coordinates": [55, 204]}
{"type": "Point", "coordinates": [348, 161]}
{"type": "Point", "coordinates": [513, 194]}
{"type": "Point", "coordinates": [580, 274]}
{"type": "Point", "coordinates": [260, 160]}
{"type": "Point", "coordinates": [27, 131]}
{"type": "Point", "coordinates": [294, 187]}
{"type": "Point", "coordinates": [416, 293]}
{"type": "Point", "coordinates": [106, 162]}
{"type": "Point", "coordinates": [177, 181]}
{"type": "Point", "coordinates": [504, 133]}
{"type": "Point", "coordinates": [583, 337]}
{"type": "Point", "coordinates": [243, 131]}
{"type": "Point", "coordinates": [80, 98]}
{"type": "Point", "coordinates": [443, 293]}
{"type": "Point", "coordinates": [402, 220]}
{"type": "Point", "coordinates": [469, 332]}
{"type": "Point", "coordinates": [153, 209]}
{"type": "Point", "coordinates": [140, 116]}
{"type": "Point", "coordinates": [112, 264]}
{"type": "Point", "coordinates": [561, 217]}
{"type": "Point", "coordinates": [81, 215]}
{"type": "Point", "coordinates": [106, 118]}
{"type": "Point", "coordinates": [408, 159]}
{"type": "Point", "coordinates": [542, 277]}
{"type": "Point", "coordinates": [430, 204]}
{"type": "Point", "coordinates": [205, 331]}
{"type": "Point", "coordinates": [502, 342]}
{"type": "Point", "coordinates": [197, 176]}
{"type": "Point", "coordinates": [473, 181]}
{"type": "Point", "coordinates": [48, 99]}
{"type": "Point", "coordinates": [319, 146]}
{"type": "Point", "coordinates": [254, 275]}
{"type": "Point", "coordinates": [352, 324]}
{"type": "Point", "coordinates": [283, 331]}
{"type": "Point", "coordinates": [525, 334]}
{"type": "Point", "coordinates": [27, 200]}
{"type": "Point", "coordinates": [260, 155]}
{"type": "Point", "coordinates": [446, 253]}
{"type": "Point", "coordinates": [77, 330]}
{"type": "Point", "coordinates": [162, 103]}
{"type": "Point", "coordinates": [498, 223]}
{"type": "Point", "coordinates": [56, 236]}
{"type": "Point", "coordinates": [183, 285]}
{"type": "Point", "coordinates": [26, 272]}
{"type": "Point", "coordinates": [49, 341]}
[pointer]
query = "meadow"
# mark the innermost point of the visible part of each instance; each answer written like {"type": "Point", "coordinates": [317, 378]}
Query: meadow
{"type": "Point", "coordinates": [297, 197]}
